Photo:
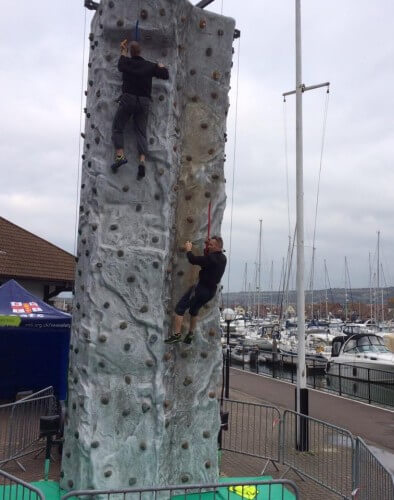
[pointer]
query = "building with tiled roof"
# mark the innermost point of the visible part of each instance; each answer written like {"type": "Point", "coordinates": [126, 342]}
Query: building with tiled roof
{"type": "Point", "coordinates": [39, 266]}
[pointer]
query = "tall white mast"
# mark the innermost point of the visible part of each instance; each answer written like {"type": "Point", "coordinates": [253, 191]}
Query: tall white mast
{"type": "Point", "coordinates": [259, 270]}
{"type": "Point", "coordinates": [378, 280]}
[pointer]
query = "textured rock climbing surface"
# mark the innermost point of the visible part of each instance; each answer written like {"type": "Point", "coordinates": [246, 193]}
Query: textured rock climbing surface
{"type": "Point", "coordinates": [139, 412]}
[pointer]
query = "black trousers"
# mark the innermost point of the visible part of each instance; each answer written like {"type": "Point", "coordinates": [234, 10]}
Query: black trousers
{"type": "Point", "coordinates": [138, 108]}
{"type": "Point", "coordinates": [194, 299]}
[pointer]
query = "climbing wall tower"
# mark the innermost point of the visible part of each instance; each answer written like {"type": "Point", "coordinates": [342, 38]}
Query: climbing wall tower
{"type": "Point", "coordinates": [141, 413]}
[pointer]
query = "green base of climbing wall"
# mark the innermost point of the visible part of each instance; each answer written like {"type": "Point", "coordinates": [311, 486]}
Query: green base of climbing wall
{"type": "Point", "coordinates": [51, 491]}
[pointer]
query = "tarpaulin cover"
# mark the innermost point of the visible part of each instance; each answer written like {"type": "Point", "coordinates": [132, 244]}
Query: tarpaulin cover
{"type": "Point", "coordinates": [34, 354]}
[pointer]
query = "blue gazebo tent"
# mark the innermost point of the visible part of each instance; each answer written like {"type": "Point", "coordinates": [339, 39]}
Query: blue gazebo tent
{"type": "Point", "coordinates": [34, 343]}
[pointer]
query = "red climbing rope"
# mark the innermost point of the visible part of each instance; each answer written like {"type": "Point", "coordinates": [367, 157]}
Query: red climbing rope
{"type": "Point", "coordinates": [209, 227]}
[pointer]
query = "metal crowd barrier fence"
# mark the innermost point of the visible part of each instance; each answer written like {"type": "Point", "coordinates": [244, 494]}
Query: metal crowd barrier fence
{"type": "Point", "coordinates": [20, 426]}
{"type": "Point", "coordinates": [253, 429]}
{"type": "Point", "coordinates": [12, 488]}
{"type": "Point", "coordinates": [269, 490]}
{"type": "Point", "coordinates": [329, 455]}
{"type": "Point", "coordinates": [373, 480]}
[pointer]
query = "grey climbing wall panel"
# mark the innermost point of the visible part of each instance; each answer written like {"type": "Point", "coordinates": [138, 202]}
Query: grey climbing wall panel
{"type": "Point", "coordinates": [141, 413]}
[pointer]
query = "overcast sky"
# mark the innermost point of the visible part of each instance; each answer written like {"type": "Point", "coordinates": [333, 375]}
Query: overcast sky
{"type": "Point", "coordinates": [347, 42]}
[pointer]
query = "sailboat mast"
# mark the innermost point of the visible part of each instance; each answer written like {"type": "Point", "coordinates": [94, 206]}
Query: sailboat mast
{"type": "Point", "coordinates": [346, 289]}
{"type": "Point", "coordinates": [378, 280]}
{"type": "Point", "coordinates": [259, 270]}
{"type": "Point", "coordinates": [325, 286]}
{"type": "Point", "coordinates": [370, 287]}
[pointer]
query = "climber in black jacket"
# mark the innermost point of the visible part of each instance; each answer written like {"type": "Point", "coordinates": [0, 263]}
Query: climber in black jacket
{"type": "Point", "coordinates": [135, 101]}
{"type": "Point", "coordinates": [212, 264]}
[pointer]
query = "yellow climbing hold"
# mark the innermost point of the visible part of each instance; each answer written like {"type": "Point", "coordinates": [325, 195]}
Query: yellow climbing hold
{"type": "Point", "coordinates": [249, 492]}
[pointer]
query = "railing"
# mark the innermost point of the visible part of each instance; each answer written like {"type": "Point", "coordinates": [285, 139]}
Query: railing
{"type": "Point", "coordinates": [367, 384]}
{"type": "Point", "coordinates": [373, 480]}
{"type": "Point", "coordinates": [269, 490]}
{"type": "Point", "coordinates": [20, 425]}
{"type": "Point", "coordinates": [328, 458]}
{"type": "Point", "coordinates": [12, 488]}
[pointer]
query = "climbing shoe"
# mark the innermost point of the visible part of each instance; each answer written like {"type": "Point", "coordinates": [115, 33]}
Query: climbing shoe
{"type": "Point", "coordinates": [189, 338]}
{"type": "Point", "coordinates": [119, 161]}
{"type": "Point", "coordinates": [174, 339]}
{"type": "Point", "coordinates": [141, 171]}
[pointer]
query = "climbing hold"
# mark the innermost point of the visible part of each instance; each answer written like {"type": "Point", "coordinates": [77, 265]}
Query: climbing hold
{"type": "Point", "coordinates": [123, 325]}
{"type": "Point", "coordinates": [212, 333]}
{"type": "Point", "coordinates": [190, 219]}
{"type": "Point", "coordinates": [91, 37]}
{"type": "Point", "coordinates": [87, 253]}
{"type": "Point", "coordinates": [94, 190]}
{"type": "Point", "coordinates": [95, 444]}
{"type": "Point", "coordinates": [167, 356]}
{"type": "Point", "coordinates": [132, 481]}
{"type": "Point", "coordinates": [175, 148]}
{"type": "Point", "coordinates": [70, 483]}
{"type": "Point", "coordinates": [83, 135]}
{"type": "Point", "coordinates": [138, 208]}
{"type": "Point", "coordinates": [125, 189]}
{"type": "Point", "coordinates": [185, 445]}
{"type": "Point", "coordinates": [94, 227]}
{"type": "Point", "coordinates": [152, 339]}
{"type": "Point", "coordinates": [108, 473]}
{"type": "Point", "coordinates": [126, 413]}
{"type": "Point", "coordinates": [157, 196]}
{"type": "Point", "coordinates": [145, 407]}
{"type": "Point", "coordinates": [161, 98]}
{"type": "Point", "coordinates": [208, 52]}
{"type": "Point", "coordinates": [103, 338]}
{"type": "Point", "coordinates": [167, 403]}
{"type": "Point", "coordinates": [215, 177]}
{"type": "Point", "coordinates": [143, 446]}
{"type": "Point", "coordinates": [98, 93]}
{"type": "Point", "coordinates": [188, 197]}
{"type": "Point", "coordinates": [87, 146]}
{"type": "Point", "coordinates": [106, 305]}
{"type": "Point", "coordinates": [97, 140]}
{"type": "Point", "coordinates": [207, 194]}
{"type": "Point", "coordinates": [207, 464]}
{"type": "Point", "coordinates": [189, 158]}
{"type": "Point", "coordinates": [184, 354]}
{"type": "Point", "coordinates": [76, 435]}
{"type": "Point", "coordinates": [79, 272]}
{"type": "Point", "coordinates": [211, 394]}
{"type": "Point", "coordinates": [78, 305]}
{"type": "Point", "coordinates": [216, 75]}
{"type": "Point", "coordinates": [74, 407]}
{"type": "Point", "coordinates": [220, 32]}
{"type": "Point", "coordinates": [180, 273]}
{"type": "Point", "coordinates": [61, 474]}
{"type": "Point", "coordinates": [111, 4]}
{"type": "Point", "coordinates": [204, 125]}
{"type": "Point", "coordinates": [75, 380]}
{"type": "Point", "coordinates": [127, 379]}
{"type": "Point", "coordinates": [192, 71]}
{"type": "Point", "coordinates": [68, 454]}
{"type": "Point", "coordinates": [104, 400]}
{"type": "Point", "coordinates": [149, 363]}
{"type": "Point", "coordinates": [91, 83]}
{"type": "Point", "coordinates": [204, 355]}
{"type": "Point", "coordinates": [76, 350]}
{"type": "Point", "coordinates": [155, 265]}
{"type": "Point", "coordinates": [187, 381]}
{"type": "Point", "coordinates": [144, 14]}
{"type": "Point", "coordinates": [101, 364]}
{"type": "Point", "coordinates": [131, 279]}
{"type": "Point", "coordinates": [206, 434]}
{"type": "Point", "coordinates": [83, 287]}
{"type": "Point", "coordinates": [120, 253]}
{"type": "Point", "coordinates": [203, 23]}
{"type": "Point", "coordinates": [155, 239]}
{"type": "Point", "coordinates": [119, 23]}
{"type": "Point", "coordinates": [127, 346]}
{"type": "Point", "coordinates": [161, 171]}
{"type": "Point", "coordinates": [144, 309]}
{"type": "Point", "coordinates": [113, 227]}
{"type": "Point", "coordinates": [99, 265]}
{"type": "Point", "coordinates": [185, 478]}
{"type": "Point", "coordinates": [108, 57]}
{"type": "Point", "coordinates": [162, 12]}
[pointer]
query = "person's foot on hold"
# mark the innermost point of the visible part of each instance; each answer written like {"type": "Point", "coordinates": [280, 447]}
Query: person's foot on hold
{"type": "Point", "coordinates": [119, 161]}
{"type": "Point", "coordinates": [189, 338]}
{"type": "Point", "coordinates": [141, 171]}
{"type": "Point", "coordinates": [173, 339]}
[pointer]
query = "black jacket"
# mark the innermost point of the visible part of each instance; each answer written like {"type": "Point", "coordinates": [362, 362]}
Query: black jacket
{"type": "Point", "coordinates": [212, 267]}
{"type": "Point", "coordinates": [138, 74]}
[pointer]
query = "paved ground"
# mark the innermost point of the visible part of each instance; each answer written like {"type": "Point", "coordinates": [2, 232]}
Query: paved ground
{"type": "Point", "coordinates": [258, 432]}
